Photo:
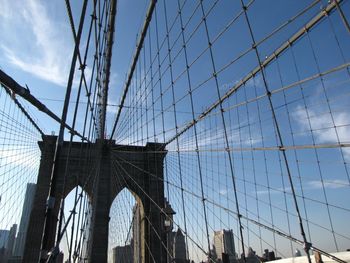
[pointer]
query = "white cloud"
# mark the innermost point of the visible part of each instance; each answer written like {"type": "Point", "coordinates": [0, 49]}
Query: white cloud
{"type": "Point", "coordinates": [223, 192]}
{"type": "Point", "coordinates": [42, 49]}
{"type": "Point", "coordinates": [40, 68]}
{"type": "Point", "coordinates": [309, 185]}
{"type": "Point", "coordinates": [330, 184]}
{"type": "Point", "coordinates": [323, 127]}
{"type": "Point", "coordinates": [279, 190]}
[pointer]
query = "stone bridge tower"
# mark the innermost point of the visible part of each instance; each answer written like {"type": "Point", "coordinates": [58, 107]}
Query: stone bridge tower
{"type": "Point", "coordinates": [138, 168]}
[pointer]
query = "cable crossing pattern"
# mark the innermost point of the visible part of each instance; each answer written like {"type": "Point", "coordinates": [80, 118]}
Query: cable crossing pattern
{"type": "Point", "coordinates": [230, 142]}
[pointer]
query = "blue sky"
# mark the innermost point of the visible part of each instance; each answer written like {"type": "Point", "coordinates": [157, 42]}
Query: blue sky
{"type": "Point", "coordinates": [36, 46]}
{"type": "Point", "coordinates": [41, 57]}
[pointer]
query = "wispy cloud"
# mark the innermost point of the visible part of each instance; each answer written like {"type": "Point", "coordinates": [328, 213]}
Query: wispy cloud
{"type": "Point", "coordinates": [309, 185]}
{"type": "Point", "coordinates": [42, 49]}
{"type": "Point", "coordinates": [279, 190]}
{"type": "Point", "coordinates": [223, 192]}
{"type": "Point", "coordinates": [323, 128]}
{"type": "Point", "coordinates": [330, 184]}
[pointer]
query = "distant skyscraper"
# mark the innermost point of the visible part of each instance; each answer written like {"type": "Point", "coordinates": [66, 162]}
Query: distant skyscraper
{"type": "Point", "coordinates": [179, 247]}
{"type": "Point", "coordinates": [22, 231]}
{"type": "Point", "coordinates": [11, 240]}
{"type": "Point", "coordinates": [224, 244]}
{"type": "Point", "coordinates": [4, 235]}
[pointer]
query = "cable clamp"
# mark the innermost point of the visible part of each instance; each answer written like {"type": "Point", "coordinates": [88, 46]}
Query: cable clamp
{"type": "Point", "coordinates": [307, 246]}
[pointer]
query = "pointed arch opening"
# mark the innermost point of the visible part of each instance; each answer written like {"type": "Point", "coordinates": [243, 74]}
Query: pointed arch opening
{"type": "Point", "coordinates": [125, 228]}
{"type": "Point", "coordinates": [77, 219]}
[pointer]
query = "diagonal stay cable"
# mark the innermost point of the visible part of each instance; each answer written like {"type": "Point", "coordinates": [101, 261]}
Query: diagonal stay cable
{"type": "Point", "coordinates": [157, 206]}
{"type": "Point", "coordinates": [82, 64]}
{"type": "Point", "coordinates": [279, 232]}
{"type": "Point", "coordinates": [257, 69]}
{"type": "Point", "coordinates": [107, 68]}
{"type": "Point", "coordinates": [73, 125]}
{"type": "Point", "coordinates": [15, 88]}
{"type": "Point", "coordinates": [24, 111]}
{"type": "Point", "coordinates": [149, 221]}
{"type": "Point", "coordinates": [49, 215]}
{"type": "Point", "coordinates": [133, 66]}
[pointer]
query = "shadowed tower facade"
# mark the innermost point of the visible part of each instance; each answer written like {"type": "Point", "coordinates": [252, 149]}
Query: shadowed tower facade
{"type": "Point", "coordinates": [137, 168]}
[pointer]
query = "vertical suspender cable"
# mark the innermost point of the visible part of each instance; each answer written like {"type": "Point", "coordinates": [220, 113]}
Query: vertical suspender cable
{"type": "Point", "coordinates": [307, 245]}
{"type": "Point", "coordinates": [52, 190]}
{"type": "Point", "coordinates": [225, 132]}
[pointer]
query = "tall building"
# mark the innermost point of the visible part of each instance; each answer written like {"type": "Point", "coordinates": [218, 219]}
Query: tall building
{"type": "Point", "coordinates": [22, 230]}
{"type": "Point", "coordinates": [11, 240]}
{"type": "Point", "coordinates": [4, 235]}
{"type": "Point", "coordinates": [178, 247]}
{"type": "Point", "coordinates": [224, 245]}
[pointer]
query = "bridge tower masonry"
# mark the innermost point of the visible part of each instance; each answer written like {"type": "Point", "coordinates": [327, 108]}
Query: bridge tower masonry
{"type": "Point", "coordinates": [137, 168]}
